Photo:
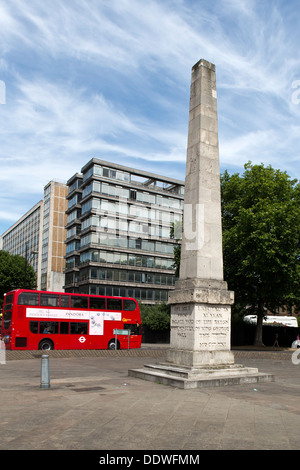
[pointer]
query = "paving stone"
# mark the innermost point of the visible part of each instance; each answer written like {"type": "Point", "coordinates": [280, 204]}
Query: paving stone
{"type": "Point", "coordinates": [117, 413]}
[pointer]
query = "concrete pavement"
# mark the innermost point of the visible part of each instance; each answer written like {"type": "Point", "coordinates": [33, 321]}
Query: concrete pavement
{"type": "Point", "coordinates": [93, 404]}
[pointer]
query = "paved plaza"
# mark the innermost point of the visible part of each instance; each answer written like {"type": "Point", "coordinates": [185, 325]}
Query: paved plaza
{"type": "Point", "coordinates": [93, 404]}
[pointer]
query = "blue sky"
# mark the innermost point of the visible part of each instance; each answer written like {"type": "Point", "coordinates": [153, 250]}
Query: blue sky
{"type": "Point", "coordinates": [110, 79]}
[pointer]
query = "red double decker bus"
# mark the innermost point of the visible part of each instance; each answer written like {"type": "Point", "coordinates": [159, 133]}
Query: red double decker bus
{"type": "Point", "coordinates": [52, 320]}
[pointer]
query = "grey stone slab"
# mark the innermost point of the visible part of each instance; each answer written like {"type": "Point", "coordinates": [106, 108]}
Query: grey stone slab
{"type": "Point", "coordinates": [158, 417]}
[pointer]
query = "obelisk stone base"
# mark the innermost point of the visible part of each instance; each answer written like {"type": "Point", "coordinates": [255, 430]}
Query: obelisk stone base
{"type": "Point", "coordinates": [189, 379]}
{"type": "Point", "coordinates": [200, 323]}
{"type": "Point", "coordinates": [199, 354]}
{"type": "Point", "coordinates": [195, 359]}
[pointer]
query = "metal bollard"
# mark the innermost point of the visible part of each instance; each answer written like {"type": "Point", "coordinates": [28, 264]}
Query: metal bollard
{"type": "Point", "coordinates": [45, 372]}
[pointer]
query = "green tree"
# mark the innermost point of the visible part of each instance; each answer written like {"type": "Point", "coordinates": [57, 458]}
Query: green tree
{"type": "Point", "coordinates": [156, 317]}
{"type": "Point", "coordinates": [12, 273]}
{"type": "Point", "coordinates": [261, 234]}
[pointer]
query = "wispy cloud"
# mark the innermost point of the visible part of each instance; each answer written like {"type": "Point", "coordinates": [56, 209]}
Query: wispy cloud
{"type": "Point", "coordinates": [111, 79]}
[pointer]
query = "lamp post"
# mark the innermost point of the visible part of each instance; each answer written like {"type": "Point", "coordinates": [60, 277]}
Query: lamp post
{"type": "Point", "coordinates": [33, 253]}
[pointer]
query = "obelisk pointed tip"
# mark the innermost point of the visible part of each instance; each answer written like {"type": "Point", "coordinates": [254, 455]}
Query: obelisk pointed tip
{"type": "Point", "coordinates": [204, 63]}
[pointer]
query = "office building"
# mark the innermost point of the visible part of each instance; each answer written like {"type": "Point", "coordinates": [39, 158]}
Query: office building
{"type": "Point", "coordinates": [39, 236]}
{"type": "Point", "coordinates": [53, 237]}
{"type": "Point", "coordinates": [118, 232]}
{"type": "Point", "coordinates": [23, 238]}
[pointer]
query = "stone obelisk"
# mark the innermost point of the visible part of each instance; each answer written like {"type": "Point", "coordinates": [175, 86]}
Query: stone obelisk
{"type": "Point", "coordinates": [201, 302]}
{"type": "Point", "coordinates": [200, 353]}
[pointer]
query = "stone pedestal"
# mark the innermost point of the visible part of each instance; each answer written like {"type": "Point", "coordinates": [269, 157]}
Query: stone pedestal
{"type": "Point", "coordinates": [188, 378]}
{"type": "Point", "coordinates": [200, 323]}
{"type": "Point", "coordinates": [199, 354]}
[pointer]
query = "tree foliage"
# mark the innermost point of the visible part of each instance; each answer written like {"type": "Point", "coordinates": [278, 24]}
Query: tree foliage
{"type": "Point", "coordinates": [261, 240]}
{"type": "Point", "coordinates": [12, 273]}
{"type": "Point", "coordinates": [261, 234]}
{"type": "Point", "coordinates": [156, 317]}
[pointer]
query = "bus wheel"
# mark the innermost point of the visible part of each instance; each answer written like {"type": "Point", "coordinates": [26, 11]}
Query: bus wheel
{"type": "Point", "coordinates": [46, 345]}
{"type": "Point", "coordinates": [112, 344]}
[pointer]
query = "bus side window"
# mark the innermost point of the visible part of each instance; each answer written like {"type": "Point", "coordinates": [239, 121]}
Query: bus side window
{"type": "Point", "coordinates": [114, 304]}
{"type": "Point", "coordinates": [97, 303]}
{"type": "Point", "coordinates": [28, 298]}
{"type": "Point", "coordinates": [33, 326]}
{"type": "Point", "coordinates": [129, 304]}
{"type": "Point", "coordinates": [77, 328]}
{"type": "Point", "coordinates": [79, 302]}
{"type": "Point", "coordinates": [64, 328]}
{"type": "Point", "coordinates": [135, 328]}
{"type": "Point", "coordinates": [50, 300]}
{"type": "Point", "coordinates": [49, 327]}
{"type": "Point", "coordinates": [64, 301]}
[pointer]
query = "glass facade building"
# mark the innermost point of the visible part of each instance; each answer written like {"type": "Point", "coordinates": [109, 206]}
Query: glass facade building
{"type": "Point", "coordinates": [23, 238]}
{"type": "Point", "coordinates": [118, 232]}
{"type": "Point", "coordinates": [40, 236]}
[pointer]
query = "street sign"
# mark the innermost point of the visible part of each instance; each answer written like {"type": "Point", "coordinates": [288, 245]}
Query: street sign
{"type": "Point", "coordinates": [120, 333]}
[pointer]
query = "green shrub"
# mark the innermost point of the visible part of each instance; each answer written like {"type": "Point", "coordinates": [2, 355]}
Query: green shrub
{"type": "Point", "coordinates": [156, 317]}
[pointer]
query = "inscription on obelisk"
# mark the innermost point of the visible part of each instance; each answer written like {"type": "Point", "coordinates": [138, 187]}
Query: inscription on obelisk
{"type": "Point", "coordinates": [201, 302]}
